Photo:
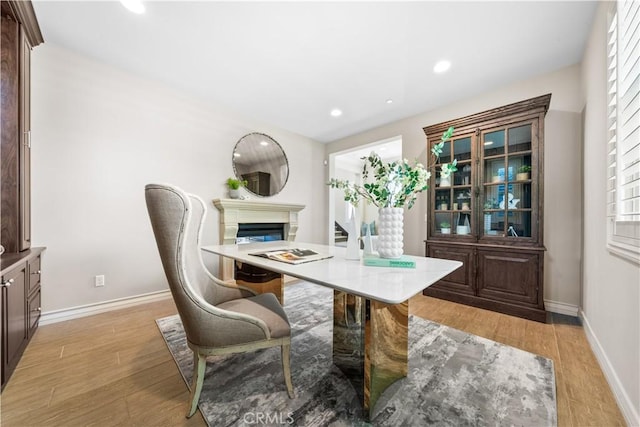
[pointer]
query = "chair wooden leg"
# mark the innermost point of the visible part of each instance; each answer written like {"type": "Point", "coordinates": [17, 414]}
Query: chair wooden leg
{"type": "Point", "coordinates": [199, 367]}
{"type": "Point", "coordinates": [286, 365]}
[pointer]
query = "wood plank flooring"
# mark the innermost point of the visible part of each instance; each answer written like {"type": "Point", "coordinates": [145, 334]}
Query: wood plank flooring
{"type": "Point", "coordinates": [114, 369]}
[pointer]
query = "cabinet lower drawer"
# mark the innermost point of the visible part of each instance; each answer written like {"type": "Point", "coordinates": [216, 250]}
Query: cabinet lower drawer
{"type": "Point", "coordinates": [34, 310]}
{"type": "Point", "coordinates": [34, 274]}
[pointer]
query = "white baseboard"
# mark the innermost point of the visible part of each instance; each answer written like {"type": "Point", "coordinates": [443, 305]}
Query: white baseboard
{"type": "Point", "coordinates": [626, 406]}
{"type": "Point", "coordinates": [561, 308]}
{"type": "Point", "coordinates": [101, 307]}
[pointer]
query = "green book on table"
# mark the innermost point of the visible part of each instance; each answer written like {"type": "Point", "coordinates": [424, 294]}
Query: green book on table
{"type": "Point", "coordinates": [376, 261]}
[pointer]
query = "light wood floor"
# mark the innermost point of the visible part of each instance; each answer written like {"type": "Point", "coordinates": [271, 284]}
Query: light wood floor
{"type": "Point", "coordinates": [115, 369]}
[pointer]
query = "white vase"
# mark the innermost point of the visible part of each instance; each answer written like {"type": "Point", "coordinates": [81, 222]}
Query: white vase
{"type": "Point", "coordinates": [234, 193]}
{"type": "Point", "coordinates": [390, 230]}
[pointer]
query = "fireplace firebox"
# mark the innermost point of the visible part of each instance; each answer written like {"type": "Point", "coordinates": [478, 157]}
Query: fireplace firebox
{"type": "Point", "coordinates": [259, 232]}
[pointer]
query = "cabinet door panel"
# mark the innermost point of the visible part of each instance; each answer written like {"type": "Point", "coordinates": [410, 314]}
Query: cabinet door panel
{"type": "Point", "coordinates": [15, 327]}
{"type": "Point", "coordinates": [509, 275]}
{"type": "Point", "coordinates": [460, 280]}
{"type": "Point", "coordinates": [9, 172]}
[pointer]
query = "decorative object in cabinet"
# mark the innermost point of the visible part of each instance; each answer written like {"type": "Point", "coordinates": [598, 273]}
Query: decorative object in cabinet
{"type": "Point", "coordinates": [495, 208]}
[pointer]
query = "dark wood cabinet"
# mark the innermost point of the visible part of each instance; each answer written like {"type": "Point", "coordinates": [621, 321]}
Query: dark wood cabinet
{"type": "Point", "coordinates": [489, 213]}
{"type": "Point", "coordinates": [20, 279]}
{"type": "Point", "coordinates": [20, 32]}
{"type": "Point", "coordinates": [19, 305]}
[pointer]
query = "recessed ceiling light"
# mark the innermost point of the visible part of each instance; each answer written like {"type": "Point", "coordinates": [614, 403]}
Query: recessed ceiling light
{"type": "Point", "coordinates": [336, 113]}
{"type": "Point", "coordinates": [264, 143]}
{"type": "Point", "coordinates": [389, 101]}
{"type": "Point", "coordinates": [134, 6]}
{"type": "Point", "coordinates": [441, 66]}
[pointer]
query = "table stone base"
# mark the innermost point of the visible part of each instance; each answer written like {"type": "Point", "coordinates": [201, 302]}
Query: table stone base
{"type": "Point", "coordinates": [370, 342]}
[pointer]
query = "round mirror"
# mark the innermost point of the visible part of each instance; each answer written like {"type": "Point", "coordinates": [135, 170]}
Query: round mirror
{"type": "Point", "coordinates": [260, 160]}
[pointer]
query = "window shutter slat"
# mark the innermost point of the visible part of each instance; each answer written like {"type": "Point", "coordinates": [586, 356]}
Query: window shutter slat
{"type": "Point", "coordinates": [623, 135]}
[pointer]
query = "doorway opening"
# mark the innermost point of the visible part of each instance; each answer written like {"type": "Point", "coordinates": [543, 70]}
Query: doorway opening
{"type": "Point", "coordinates": [347, 165]}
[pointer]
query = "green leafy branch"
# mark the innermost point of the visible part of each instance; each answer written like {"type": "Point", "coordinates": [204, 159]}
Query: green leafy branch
{"type": "Point", "coordinates": [394, 184]}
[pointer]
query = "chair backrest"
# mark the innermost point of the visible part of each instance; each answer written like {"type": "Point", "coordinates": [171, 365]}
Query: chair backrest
{"type": "Point", "coordinates": [176, 219]}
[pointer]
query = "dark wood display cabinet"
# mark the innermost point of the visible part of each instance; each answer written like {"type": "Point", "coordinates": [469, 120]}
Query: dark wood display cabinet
{"type": "Point", "coordinates": [20, 264]}
{"type": "Point", "coordinates": [489, 214]}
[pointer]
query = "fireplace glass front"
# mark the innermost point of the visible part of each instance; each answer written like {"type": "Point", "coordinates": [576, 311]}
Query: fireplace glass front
{"type": "Point", "coordinates": [256, 232]}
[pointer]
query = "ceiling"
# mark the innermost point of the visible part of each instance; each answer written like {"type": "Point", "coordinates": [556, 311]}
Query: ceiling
{"type": "Point", "coordinates": [290, 63]}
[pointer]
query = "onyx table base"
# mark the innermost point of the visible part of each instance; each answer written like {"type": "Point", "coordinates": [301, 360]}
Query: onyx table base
{"type": "Point", "coordinates": [370, 344]}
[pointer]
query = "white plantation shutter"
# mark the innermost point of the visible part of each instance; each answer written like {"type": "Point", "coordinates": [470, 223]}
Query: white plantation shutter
{"type": "Point", "coordinates": [623, 144]}
{"type": "Point", "coordinates": [612, 95]}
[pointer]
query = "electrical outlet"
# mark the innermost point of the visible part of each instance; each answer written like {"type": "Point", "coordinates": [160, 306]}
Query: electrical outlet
{"type": "Point", "coordinates": [99, 281]}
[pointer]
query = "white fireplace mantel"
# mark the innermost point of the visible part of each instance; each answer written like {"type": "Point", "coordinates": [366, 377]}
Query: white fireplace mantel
{"type": "Point", "coordinates": [236, 211]}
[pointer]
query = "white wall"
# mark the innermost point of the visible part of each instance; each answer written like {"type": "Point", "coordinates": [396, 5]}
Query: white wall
{"type": "Point", "coordinates": [101, 134]}
{"type": "Point", "coordinates": [562, 171]}
{"type": "Point", "coordinates": [611, 289]}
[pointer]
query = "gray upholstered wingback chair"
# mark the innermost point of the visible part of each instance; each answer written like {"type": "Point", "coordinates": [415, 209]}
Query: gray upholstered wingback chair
{"type": "Point", "coordinates": [217, 317]}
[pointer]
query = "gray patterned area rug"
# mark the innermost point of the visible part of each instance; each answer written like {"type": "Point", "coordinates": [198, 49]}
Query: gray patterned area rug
{"type": "Point", "coordinates": [454, 379]}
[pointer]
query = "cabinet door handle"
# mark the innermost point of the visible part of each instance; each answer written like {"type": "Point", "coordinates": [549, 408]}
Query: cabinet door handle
{"type": "Point", "coordinates": [27, 138]}
{"type": "Point", "coordinates": [8, 283]}
{"type": "Point", "coordinates": [37, 272]}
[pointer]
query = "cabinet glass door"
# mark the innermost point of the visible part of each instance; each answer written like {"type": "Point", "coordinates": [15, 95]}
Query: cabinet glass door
{"type": "Point", "coordinates": [507, 199]}
{"type": "Point", "coordinates": [453, 199]}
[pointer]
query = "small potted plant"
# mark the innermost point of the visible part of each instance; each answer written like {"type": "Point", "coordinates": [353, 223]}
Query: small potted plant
{"type": "Point", "coordinates": [445, 228]}
{"type": "Point", "coordinates": [234, 187]}
{"type": "Point", "coordinates": [523, 173]}
{"type": "Point", "coordinates": [490, 203]}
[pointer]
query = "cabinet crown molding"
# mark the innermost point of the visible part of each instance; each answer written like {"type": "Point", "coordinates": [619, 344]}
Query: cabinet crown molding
{"type": "Point", "coordinates": [539, 104]}
{"type": "Point", "coordinates": [22, 12]}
